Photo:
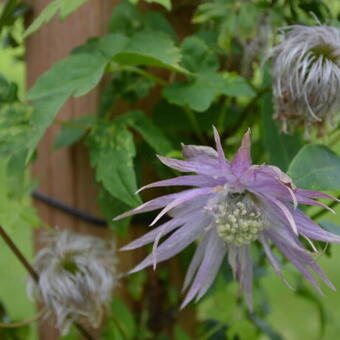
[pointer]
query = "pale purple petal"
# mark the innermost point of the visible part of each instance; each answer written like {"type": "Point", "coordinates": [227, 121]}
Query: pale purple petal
{"type": "Point", "coordinates": [208, 269]}
{"type": "Point", "coordinates": [180, 239]}
{"type": "Point", "coordinates": [199, 153]}
{"type": "Point", "coordinates": [315, 194]}
{"type": "Point", "coordinates": [149, 237]}
{"type": "Point", "coordinates": [312, 230]}
{"type": "Point", "coordinates": [154, 204]}
{"type": "Point", "coordinates": [284, 210]}
{"type": "Point", "coordinates": [220, 153]}
{"type": "Point", "coordinates": [185, 196]}
{"type": "Point", "coordinates": [242, 160]}
{"type": "Point", "coordinates": [191, 166]}
{"type": "Point", "coordinates": [273, 260]}
{"type": "Point", "coordinates": [196, 261]}
{"type": "Point", "coordinates": [246, 275]}
{"type": "Point", "coordinates": [189, 180]}
{"type": "Point", "coordinates": [300, 259]}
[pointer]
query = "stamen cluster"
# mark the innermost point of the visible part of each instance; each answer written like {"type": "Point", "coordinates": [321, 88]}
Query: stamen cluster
{"type": "Point", "coordinates": [238, 223]}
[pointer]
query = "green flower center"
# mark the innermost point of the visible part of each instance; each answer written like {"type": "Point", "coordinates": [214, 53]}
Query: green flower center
{"type": "Point", "coordinates": [238, 222]}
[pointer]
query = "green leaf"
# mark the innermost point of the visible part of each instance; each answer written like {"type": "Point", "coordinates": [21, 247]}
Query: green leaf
{"type": "Point", "coordinates": [69, 6]}
{"type": "Point", "coordinates": [72, 131]}
{"type": "Point", "coordinates": [16, 210]}
{"type": "Point", "coordinates": [111, 207]}
{"type": "Point", "coordinates": [243, 330]}
{"type": "Point", "coordinates": [66, 7]}
{"type": "Point", "coordinates": [112, 151]}
{"type": "Point", "coordinates": [236, 86]}
{"type": "Point", "coordinates": [44, 111]}
{"type": "Point", "coordinates": [204, 84]}
{"type": "Point", "coordinates": [129, 19]}
{"type": "Point", "coordinates": [75, 75]}
{"type": "Point", "coordinates": [331, 227]}
{"type": "Point", "coordinates": [315, 167]}
{"type": "Point", "coordinates": [152, 48]}
{"type": "Point", "coordinates": [198, 94]}
{"type": "Point", "coordinates": [150, 132]}
{"type": "Point", "coordinates": [281, 148]}
{"type": "Point", "coordinates": [106, 46]}
{"type": "Point", "coordinates": [123, 318]}
{"type": "Point", "coordinates": [180, 334]}
{"type": "Point", "coordinates": [8, 91]}
{"type": "Point", "coordinates": [198, 57]}
{"type": "Point", "coordinates": [15, 128]}
{"type": "Point", "coordinates": [125, 19]}
{"type": "Point", "coordinates": [164, 3]}
{"type": "Point", "coordinates": [315, 299]}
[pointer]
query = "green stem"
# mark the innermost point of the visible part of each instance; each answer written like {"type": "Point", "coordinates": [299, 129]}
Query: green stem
{"type": "Point", "coordinates": [212, 331]}
{"type": "Point", "coordinates": [322, 212]}
{"type": "Point", "coordinates": [335, 140]}
{"type": "Point", "coordinates": [221, 118]}
{"type": "Point", "coordinates": [140, 71]}
{"type": "Point", "coordinates": [194, 123]}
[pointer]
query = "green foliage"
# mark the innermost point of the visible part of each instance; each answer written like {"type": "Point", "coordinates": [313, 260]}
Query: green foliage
{"type": "Point", "coordinates": [152, 48]}
{"type": "Point", "coordinates": [165, 3]}
{"type": "Point", "coordinates": [281, 148]}
{"type": "Point", "coordinates": [315, 167]}
{"type": "Point", "coordinates": [15, 205]}
{"type": "Point", "coordinates": [112, 151]}
{"type": "Point", "coordinates": [151, 134]}
{"type": "Point", "coordinates": [75, 75]}
{"type": "Point", "coordinates": [122, 324]}
{"type": "Point", "coordinates": [129, 19]}
{"type": "Point", "coordinates": [73, 130]}
{"type": "Point", "coordinates": [64, 7]}
{"type": "Point", "coordinates": [205, 83]}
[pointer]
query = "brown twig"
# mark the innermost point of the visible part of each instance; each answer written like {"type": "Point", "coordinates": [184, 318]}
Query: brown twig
{"type": "Point", "coordinates": [22, 323]}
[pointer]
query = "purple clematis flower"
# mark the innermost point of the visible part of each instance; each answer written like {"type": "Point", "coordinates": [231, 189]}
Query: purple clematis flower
{"type": "Point", "coordinates": [232, 205]}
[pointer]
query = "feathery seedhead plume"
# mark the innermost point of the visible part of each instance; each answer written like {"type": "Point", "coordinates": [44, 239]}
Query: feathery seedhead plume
{"type": "Point", "coordinates": [77, 275]}
{"type": "Point", "coordinates": [306, 77]}
{"type": "Point", "coordinates": [233, 205]}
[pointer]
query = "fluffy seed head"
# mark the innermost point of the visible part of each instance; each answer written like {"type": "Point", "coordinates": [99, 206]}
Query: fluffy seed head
{"type": "Point", "coordinates": [306, 77]}
{"type": "Point", "coordinates": [77, 275]}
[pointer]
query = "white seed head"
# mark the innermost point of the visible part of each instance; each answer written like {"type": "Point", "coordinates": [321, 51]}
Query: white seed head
{"type": "Point", "coordinates": [77, 274]}
{"type": "Point", "coordinates": [306, 77]}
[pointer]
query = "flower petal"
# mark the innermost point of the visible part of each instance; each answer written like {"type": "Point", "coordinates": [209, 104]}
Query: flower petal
{"type": "Point", "coordinates": [274, 261]}
{"type": "Point", "coordinates": [223, 163]}
{"type": "Point", "coordinates": [283, 208]}
{"type": "Point", "coordinates": [190, 166]}
{"type": "Point", "coordinates": [208, 269]}
{"type": "Point", "coordinates": [149, 237]}
{"type": "Point", "coordinates": [242, 160]}
{"type": "Point", "coordinates": [180, 239]}
{"type": "Point", "coordinates": [199, 153]}
{"type": "Point", "coordinates": [184, 196]}
{"type": "Point", "coordinates": [190, 180]}
{"type": "Point", "coordinates": [246, 275]}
